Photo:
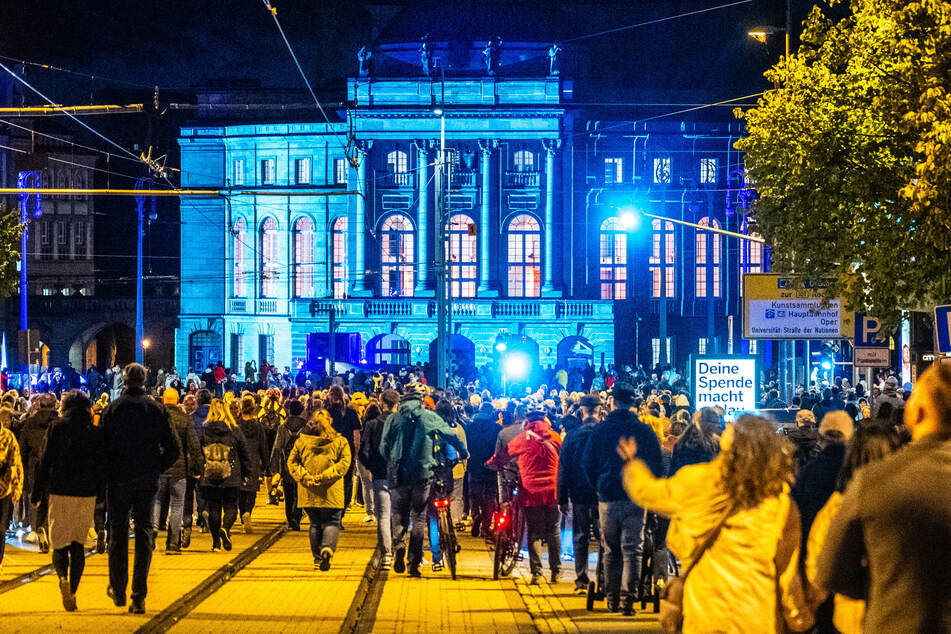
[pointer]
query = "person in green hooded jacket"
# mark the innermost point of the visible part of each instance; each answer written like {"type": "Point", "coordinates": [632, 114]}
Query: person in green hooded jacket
{"type": "Point", "coordinates": [318, 462]}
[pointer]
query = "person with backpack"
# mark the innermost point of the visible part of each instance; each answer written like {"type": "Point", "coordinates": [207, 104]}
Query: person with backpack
{"type": "Point", "coordinates": [371, 458]}
{"type": "Point", "coordinates": [318, 461]}
{"type": "Point", "coordinates": [173, 481]}
{"type": "Point", "coordinates": [272, 415]}
{"type": "Point", "coordinates": [407, 444]}
{"type": "Point", "coordinates": [227, 466]}
{"type": "Point", "coordinates": [286, 436]}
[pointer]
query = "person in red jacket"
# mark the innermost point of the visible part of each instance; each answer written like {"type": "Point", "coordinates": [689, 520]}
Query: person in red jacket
{"type": "Point", "coordinates": [536, 450]}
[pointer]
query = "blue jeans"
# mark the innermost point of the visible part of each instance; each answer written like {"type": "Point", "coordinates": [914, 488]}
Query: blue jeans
{"type": "Point", "coordinates": [174, 488]}
{"type": "Point", "coordinates": [622, 540]}
{"type": "Point", "coordinates": [381, 509]}
{"type": "Point", "coordinates": [366, 486]}
{"type": "Point", "coordinates": [324, 529]}
{"type": "Point", "coordinates": [584, 517]}
{"type": "Point", "coordinates": [122, 500]}
{"type": "Point", "coordinates": [409, 506]}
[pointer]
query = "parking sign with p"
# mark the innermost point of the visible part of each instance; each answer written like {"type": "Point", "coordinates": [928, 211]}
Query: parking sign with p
{"type": "Point", "coordinates": [868, 332]}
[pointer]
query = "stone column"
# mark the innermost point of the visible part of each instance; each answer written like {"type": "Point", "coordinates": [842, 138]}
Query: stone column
{"type": "Point", "coordinates": [485, 157]}
{"type": "Point", "coordinates": [359, 224]}
{"type": "Point", "coordinates": [422, 219]}
{"type": "Point", "coordinates": [550, 147]}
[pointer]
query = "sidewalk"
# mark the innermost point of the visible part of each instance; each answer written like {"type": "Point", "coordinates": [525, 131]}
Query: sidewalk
{"type": "Point", "coordinates": [37, 606]}
{"type": "Point", "coordinates": [474, 602]}
{"type": "Point", "coordinates": [281, 592]}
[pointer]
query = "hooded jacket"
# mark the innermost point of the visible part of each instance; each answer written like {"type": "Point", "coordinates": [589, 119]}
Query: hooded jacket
{"type": "Point", "coordinates": [536, 450]}
{"type": "Point", "coordinates": [601, 463]}
{"type": "Point", "coordinates": [11, 466]}
{"type": "Point", "coordinates": [217, 431]}
{"type": "Point", "coordinates": [408, 442]}
{"type": "Point", "coordinates": [284, 440]}
{"type": "Point", "coordinates": [573, 486]}
{"type": "Point", "coordinates": [481, 436]}
{"type": "Point", "coordinates": [370, 437]}
{"type": "Point", "coordinates": [190, 459]}
{"type": "Point", "coordinates": [256, 442]}
{"type": "Point", "coordinates": [325, 457]}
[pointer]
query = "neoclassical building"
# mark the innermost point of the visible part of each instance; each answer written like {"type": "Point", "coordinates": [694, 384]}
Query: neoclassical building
{"type": "Point", "coordinates": [543, 254]}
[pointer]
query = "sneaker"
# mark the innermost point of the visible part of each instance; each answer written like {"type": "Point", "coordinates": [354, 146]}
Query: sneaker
{"type": "Point", "coordinates": [137, 607]}
{"type": "Point", "coordinates": [386, 562]}
{"type": "Point", "coordinates": [186, 537]}
{"type": "Point", "coordinates": [399, 564]}
{"type": "Point", "coordinates": [43, 540]}
{"type": "Point", "coordinates": [325, 556]}
{"type": "Point", "coordinates": [246, 522]}
{"type": "Point", "coordinates": [69, 600]}
{"type": "Point", "coordinates": [414, 572]}
{"type": "Point", "coordinates": [317, 564]}
{"type": "Point", "coordinates": [226, 538]}
{"type": "Point", "coordinates": [216, 549]}
{"type": "Point", "coordinates": [118, 599]}
{"type": "Point", "coordinates": [536, 579]}
{"type": "Point", "coordinates": [172, 549]}
{"type": "Point", "coordinates": [368, 518]}
{"type": "Point", "coordinates": [100, 542]}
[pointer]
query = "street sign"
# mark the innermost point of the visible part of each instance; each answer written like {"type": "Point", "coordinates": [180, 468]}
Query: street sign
{"type": "Point", "coordinates": [942, 324]}
{"type": "Point", "coordinates": [871, 357]}
{"type": "Point", "coordinates": [868, 332]}
{"type": "Point", "coordinates": [789, 307]}
{"type": "Point", "coordinates": [727, 381]}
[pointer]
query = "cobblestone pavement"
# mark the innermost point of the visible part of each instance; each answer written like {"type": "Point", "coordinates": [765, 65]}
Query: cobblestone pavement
{"type": "Point", "coordinates": [279, 591]}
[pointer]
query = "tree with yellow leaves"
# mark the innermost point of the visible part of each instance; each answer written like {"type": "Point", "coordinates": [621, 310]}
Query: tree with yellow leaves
{"type": "Point", "coordinates": [851, 155]}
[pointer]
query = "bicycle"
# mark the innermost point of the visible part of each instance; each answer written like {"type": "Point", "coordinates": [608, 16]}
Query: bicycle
{"type": "Point", "coordinates": [508, 527]}
{"type": "Point", "coordinates": [446, 541]}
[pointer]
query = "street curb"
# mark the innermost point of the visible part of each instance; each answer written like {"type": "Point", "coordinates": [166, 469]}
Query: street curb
{"type": "Point", "coordinates": [174, 613]}
{"type": "Point", "coordinates": [367, 597]}
{"type": "Point", "coordinates": [33, 575]}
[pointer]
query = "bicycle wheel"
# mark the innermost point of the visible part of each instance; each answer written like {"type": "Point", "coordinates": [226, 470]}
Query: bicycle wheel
{"type": "Point", "coordinates": [497, 556]}
{"type": "Point", "coordinates": [447, 541]}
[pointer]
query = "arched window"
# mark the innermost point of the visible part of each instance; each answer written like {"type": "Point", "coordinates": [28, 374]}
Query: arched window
{"type": "Point", "coordinates": [662, 260]}
{"type": "Point", "coordinates": [524, 161]}
{"type": "Point", "coordinates": [461, 253]}
{"type": "Point", "coordinates": [613, 254]}
{"type": "Point", "coordinates": [396, 256]}
{"type": "Point", "coordinates": [239, 236]}
{"type": "Point", "coordinates": [339, 256]}
{"type": "Point", "coordinates": [304, 257]}
{"type": "Point", "coordinates": [397, 162]}
{"type": "Point", "coordinates": [708, 260]}
{"type": "Point", "coordinates": [524, 257]}
{"type": "Point", "coordinates": [751, 257]}
{"type": "Point", "coordinates": [268, 250]}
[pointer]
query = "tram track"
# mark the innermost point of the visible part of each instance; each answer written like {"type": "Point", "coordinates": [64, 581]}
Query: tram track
{"type": "Point", "coordinates": [361, 616]}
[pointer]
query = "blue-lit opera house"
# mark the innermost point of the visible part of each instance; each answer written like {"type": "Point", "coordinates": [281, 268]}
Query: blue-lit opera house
{"type": "Point", "coordinates": [542, 241]}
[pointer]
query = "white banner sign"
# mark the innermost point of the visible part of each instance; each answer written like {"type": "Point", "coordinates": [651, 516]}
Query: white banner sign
{"type": "Point", "coordinates": [727, 382]}
{"type": "Point", "coordinates": [805, 318]}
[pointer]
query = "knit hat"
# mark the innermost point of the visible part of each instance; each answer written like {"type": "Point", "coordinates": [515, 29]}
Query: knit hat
{"type": "Point", "coordinates": [837, 421]}
{"type": "Point", "coordinates": [170, 396]}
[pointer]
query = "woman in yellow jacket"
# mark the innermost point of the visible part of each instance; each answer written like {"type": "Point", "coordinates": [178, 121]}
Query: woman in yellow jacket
{"type": "Point", "coordinates": [318, 461]}
{"type": "Point", "coordinates": [734, 585]}
{"type": "Point", "coordinates": [872, 442]}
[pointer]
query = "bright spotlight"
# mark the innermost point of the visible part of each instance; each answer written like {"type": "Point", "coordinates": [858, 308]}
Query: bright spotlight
{"type": "Point", "coordinates": [500, 346]}
{"type": "Point", "coordinates": [630, 218]}
{"type": "Point", "coordinates": [516, 365]}
{"type": "Point", "coordinates": [826, 365]}
{"type": "Point", "coordinates": [437, 112]}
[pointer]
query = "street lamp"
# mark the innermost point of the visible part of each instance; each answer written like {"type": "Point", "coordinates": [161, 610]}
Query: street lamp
{"type": "Point", "coordinates": [760, 33]}
{"type": "Point", "coordinates": [140, 184]}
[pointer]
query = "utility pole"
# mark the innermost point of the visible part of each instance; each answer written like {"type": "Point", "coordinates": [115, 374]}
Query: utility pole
{"type": "Point", "coordinates": [23, 182]}
{"type": "Point", "coordinates": [442, 303]}
{"type": "Point", "coordinates": [140, 231]}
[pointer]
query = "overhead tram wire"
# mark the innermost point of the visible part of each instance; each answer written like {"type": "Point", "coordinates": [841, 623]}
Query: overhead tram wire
{"type": "Point", "coordinates": [76, 72]}
{"type": "Point", "coordinates": [655, 21]}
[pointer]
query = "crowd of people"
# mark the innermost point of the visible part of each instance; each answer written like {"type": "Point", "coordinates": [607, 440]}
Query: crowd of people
{"type": "Point", "coordinates": [814, 526]}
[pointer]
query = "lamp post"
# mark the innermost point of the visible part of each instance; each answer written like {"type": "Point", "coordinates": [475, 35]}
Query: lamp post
{"type": "Point", "coordinates": [760, 33]}
{"type": "Point", "coordinates": [443, 288]}
{"type": "Point", "coordinates": [141, 343]}
{"type": "Point", "coordinates": [23, 182]}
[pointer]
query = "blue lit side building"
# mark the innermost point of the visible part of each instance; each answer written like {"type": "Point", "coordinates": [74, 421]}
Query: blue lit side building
{"type": "Point", "coordinates": [537, 234]}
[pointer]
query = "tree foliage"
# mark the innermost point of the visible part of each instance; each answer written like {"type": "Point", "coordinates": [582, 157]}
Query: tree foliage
{"type": "Point", "coordinates": [10, 230]}
{"type": "Point", "coordinates": [851, 155]}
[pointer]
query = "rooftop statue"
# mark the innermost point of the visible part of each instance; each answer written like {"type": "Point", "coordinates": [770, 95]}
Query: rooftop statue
{"type": "Point", "coordinates": [554, 60]}
{"type": "Point", "coordinates": [364, 55]}
{"type": "Point", "coordinates": [425, 55]}
{"type": "Point", "coordinates": [492, 55]}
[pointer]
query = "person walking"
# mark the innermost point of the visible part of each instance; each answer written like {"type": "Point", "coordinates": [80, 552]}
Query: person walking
{"type": "Point", "coordinates": [536, 450]}
{"type": "Point", "coordinates": [735, 529]}
{"type": "Point", "coordinates": [408, 446]}
{"type": "Point", "coordinates": [173, 482]}
{"type": "Point", "coordinates": [318, 461]}
{"type": "Point", "coordinates": [622, 520]}
{"type": "Point", "coordinates": [31, 437]}
{"type": "Point", "coordinates": [347, 423]}
{"type": "Point", "coordinates": [256, 444]}
{"type": "Point", "coordinates": [371, 458]}
{"type": "Point", "coordinates": [71, 473]}
{"type": "Point", "coordinates": [194, 503]}
{"type": "Point", "coordinates": [11, 475]}
{"type": "Point", "coordinates": [285, 437]}
{"type": "Point", "coordinates": [226, 467]}
{"type": "Point", "coordinates": [482, 434]}
{"type": "Point", "coordinates": [888, 543]}
{"type": "Point", "coordinates": [139, 446]}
